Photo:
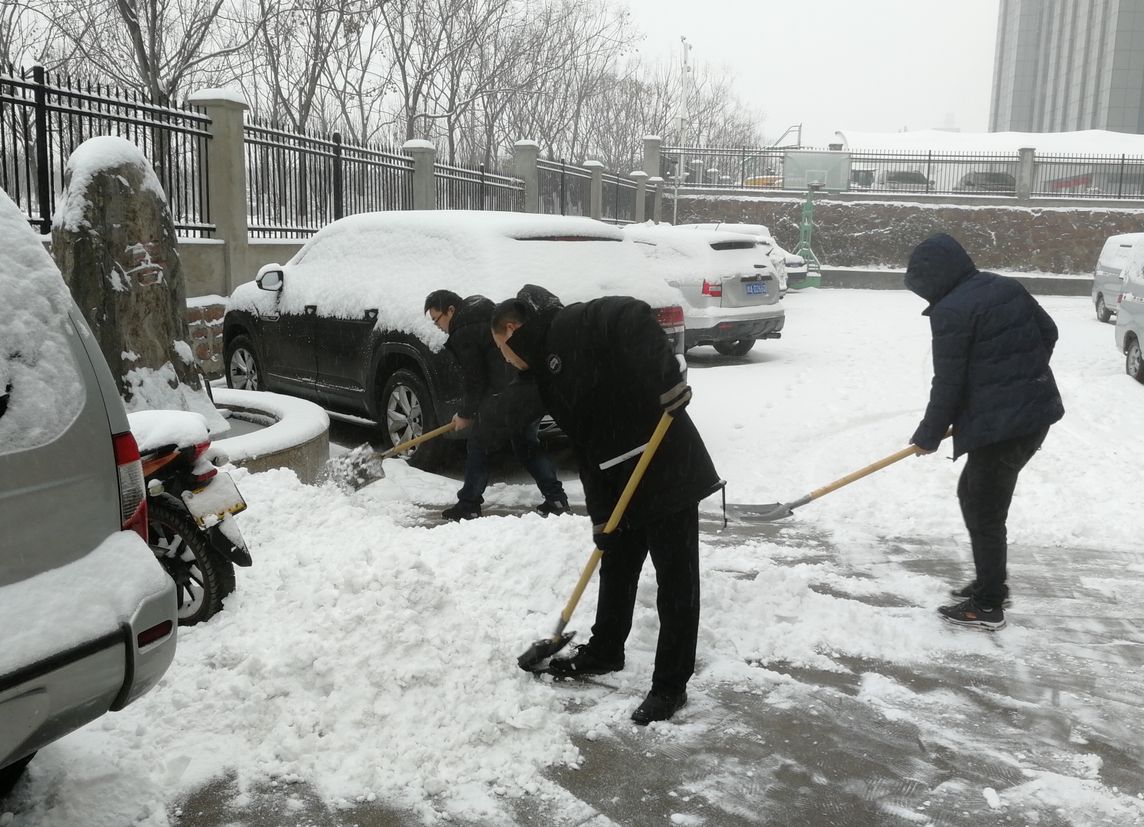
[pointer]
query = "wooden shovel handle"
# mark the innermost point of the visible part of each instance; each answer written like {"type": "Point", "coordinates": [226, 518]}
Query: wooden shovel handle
{"type": "Point", "coordinates": [405, 446]}
{"type": "Point", "coordinates": [869, 469]}
{"type": "Point", "coordinates": [617, 515]}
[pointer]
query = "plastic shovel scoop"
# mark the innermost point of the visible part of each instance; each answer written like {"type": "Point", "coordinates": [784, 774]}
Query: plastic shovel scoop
{"type": "Point", "coordinates": [357, 468]}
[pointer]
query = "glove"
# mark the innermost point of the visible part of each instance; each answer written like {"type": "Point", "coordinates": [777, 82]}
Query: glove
{"type": "Point", "coordinates": [609, 542]}
{"type": "Point", "coordinates": [676, 399]}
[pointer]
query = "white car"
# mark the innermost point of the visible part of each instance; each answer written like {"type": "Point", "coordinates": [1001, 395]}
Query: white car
{"type": "Point", "coordinates": [731, 289]}
{"type": "Point", "coordinates": [791, 268]}
{"type": "Point", "coordinates": [1108, 275]}
{"type": "Point", "coordinates": [1130, 312]}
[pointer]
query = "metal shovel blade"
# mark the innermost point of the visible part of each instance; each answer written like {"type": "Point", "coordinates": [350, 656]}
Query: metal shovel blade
{"type": "Point", "coordinates": [355, 469]}
{"type": "Point", "coordinates": [542, 650]}
{"type": "Point", "coordinates": [762, 512]}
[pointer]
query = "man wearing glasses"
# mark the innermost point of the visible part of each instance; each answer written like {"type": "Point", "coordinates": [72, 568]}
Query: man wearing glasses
{"type": "Point", "coordinates": [489, 419]}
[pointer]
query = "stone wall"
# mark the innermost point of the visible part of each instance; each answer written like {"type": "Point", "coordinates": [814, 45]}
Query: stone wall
{"type": "Point", "coordinates": [850, 233]}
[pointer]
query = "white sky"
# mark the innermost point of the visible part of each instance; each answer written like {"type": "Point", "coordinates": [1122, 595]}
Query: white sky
{"type": "Point", "coordinates": [872, 66]}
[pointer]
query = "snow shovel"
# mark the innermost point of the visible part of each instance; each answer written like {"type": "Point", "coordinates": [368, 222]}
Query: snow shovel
{"type": "Point", "coordinates": [777, 511]}
{"type": "Point", "coordinates": [547, 647]}
{"type": "Point", "coordinates": [356, 469]}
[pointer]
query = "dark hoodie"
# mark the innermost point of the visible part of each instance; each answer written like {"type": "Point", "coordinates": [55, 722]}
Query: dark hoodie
{"type": "Point", "coordinates": [992, 343]}
{"type": "Point", "coordinates": [604, 369]}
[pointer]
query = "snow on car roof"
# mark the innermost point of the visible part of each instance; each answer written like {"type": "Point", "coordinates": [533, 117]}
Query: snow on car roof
{"type": "Point", "coordinates": [389, 261]}
{"type": "Point", "coordinates": [37, 370]}
{"type": "Point", "coordinates": [683, 254]}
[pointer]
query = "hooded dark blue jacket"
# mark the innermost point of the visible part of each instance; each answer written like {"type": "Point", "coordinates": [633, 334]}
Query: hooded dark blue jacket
{"type": "Point", "coordinates": [992, 343]}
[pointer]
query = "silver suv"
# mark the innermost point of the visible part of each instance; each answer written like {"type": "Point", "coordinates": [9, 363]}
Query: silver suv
{"type": "Point", "coordinates": [88, 614]}
{"type": "Point", "coordinates": [1107, 276]}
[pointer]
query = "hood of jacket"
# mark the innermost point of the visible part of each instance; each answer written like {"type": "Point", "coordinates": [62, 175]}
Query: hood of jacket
{"type": "Point", "coordinates": [539, 307]}
{"type": "Point", "coordinates": [937, 266]}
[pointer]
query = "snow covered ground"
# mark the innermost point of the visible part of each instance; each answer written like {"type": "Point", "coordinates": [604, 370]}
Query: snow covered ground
{"type": "Point", "coordinates": [368, 658]}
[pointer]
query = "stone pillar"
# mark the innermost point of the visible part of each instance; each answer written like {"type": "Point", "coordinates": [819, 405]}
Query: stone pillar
{"type": "Point", "coordinates": [596, 203]}
{"type": "Point", "coordinates": [641, 194]}
{"type": "Point", "coordinates": [226, 179]}
{"type": "Point", "coordinates": [525, 156]}
{"type": "Point", "coordinates": [424, 156]}
{"type": "Point", "coordinates": [657, 204]}
{"type": "Point", "coordinates": [651, 145]}
{"type": "Point", "coordinates": [1025, 172]}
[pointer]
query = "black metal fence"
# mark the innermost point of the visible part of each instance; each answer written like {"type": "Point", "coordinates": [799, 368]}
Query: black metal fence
{"type": "Point", "coordinates": [619, 196]}
{"type": "Point", "coordinates": [923, 172]}
{"type": "Point", "coordinates": [564, 189]}
{"type": "Point", "coordinates": [297, 183]}
{"type": "Point", "coordinates": [458, 188]}
{"type": "Point", "coordinates": [42, 121]}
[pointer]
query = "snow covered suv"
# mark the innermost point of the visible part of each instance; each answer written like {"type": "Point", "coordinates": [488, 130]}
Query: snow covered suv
{"type": "Point", "coordinates": [342, 322]}
{"type": "Point", "coordinates": [730, 287]}
{"type": "Point", "coordinates": [792, 269]}
{"type": "Point", "coordinates": [88, 614]}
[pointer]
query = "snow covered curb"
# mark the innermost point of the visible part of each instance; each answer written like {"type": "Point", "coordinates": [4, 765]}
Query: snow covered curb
{"type": "Point", "coordinates": [297, 438]}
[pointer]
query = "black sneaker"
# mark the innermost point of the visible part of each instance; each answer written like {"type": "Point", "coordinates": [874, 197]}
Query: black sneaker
{"type": "Point", "coordinates": [970, 589]}
{"type": "Point", "coordinates": [583, 664]}
{"type": "Point", "coordinates": [553, 507]}
{"type": "Point", "coordinates": [973, 615]}
{"type": "Point", "coordinates": [658, 706]}
{"type": "Point", "coordinates": [461, 512]}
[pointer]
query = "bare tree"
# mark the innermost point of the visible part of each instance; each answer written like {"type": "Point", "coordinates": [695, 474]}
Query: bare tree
{"type": "Point", "coordinates": [154, 46]}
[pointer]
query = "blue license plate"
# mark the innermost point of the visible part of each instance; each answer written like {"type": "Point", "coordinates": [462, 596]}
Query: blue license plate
{"type": "Point", "coordinates": [756, 288]}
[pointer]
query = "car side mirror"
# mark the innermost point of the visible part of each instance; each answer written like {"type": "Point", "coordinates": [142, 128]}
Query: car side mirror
{"type": "Point", "coordinates": [271, 280]}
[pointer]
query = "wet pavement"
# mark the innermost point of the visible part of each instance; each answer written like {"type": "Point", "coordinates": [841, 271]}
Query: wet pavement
{"type": "Point", "coordinates": [1048, 734]}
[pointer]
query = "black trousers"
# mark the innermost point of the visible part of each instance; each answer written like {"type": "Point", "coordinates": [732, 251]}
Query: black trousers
{"type": "Point", "coordinates": [985, 491]}
{"type": "Point", "coordinates": [673, 543]}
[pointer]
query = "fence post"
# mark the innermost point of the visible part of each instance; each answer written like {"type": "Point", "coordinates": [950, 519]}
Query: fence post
{"type": "Point", "coordinates": [339, 181]}
{"type": "Point", "coordinates": [424, 156]}
{"type": "Point", "coordinates": [641, 194]}
{"type": "Point", "coordinates": [43, 165]}
{"type": "Point", "coordinates": [1025, 170]}
{"type": "Point", "coordinates": [651, 145]}
{"type": "Point", "coordinates": [226, 182]}
{"type": "Point", "coordinates": [525, 155]}
{"type": "Point", "coordinates": [596, 201]}
{"type": "Point", "coordinates": [657, 203]}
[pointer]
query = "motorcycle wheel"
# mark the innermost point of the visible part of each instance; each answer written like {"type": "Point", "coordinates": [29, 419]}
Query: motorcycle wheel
{"type": "Point", "coordinates": [202, 576]}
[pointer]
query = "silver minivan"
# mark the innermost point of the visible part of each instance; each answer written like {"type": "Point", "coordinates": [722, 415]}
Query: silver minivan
{"type": "Point", "coordinates": [88, 614]}
{"type": "Point", "coordinates": [1130, 311]}
{"type": "Point", "coordinates": [1106, 277]}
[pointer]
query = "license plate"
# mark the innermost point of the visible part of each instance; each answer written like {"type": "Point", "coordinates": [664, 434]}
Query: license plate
{"type": "Point", "coordinates": [209, 505]}
{"type": "Point", "coordinates": [756, 288]}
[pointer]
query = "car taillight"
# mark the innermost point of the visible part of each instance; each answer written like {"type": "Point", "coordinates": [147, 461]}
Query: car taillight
{"type": "Point", "coordinates": [148, 636]}
{"type": "Point", "coordinates": [710, 289]}
{"type": "Point", "coordinates": [670, 318]}
{"type": "Point", "coordinates": [132, 490]}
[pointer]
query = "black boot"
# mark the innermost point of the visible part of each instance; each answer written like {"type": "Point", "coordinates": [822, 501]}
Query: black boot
{"type": "Point", "coordinates": [659, 706]}
{"type": "Point", "coordinates": [461, 511]}
{"type": "Point", "coordinates": [552, 507]}
{"type": "Point", "coordinates": [582, 664]}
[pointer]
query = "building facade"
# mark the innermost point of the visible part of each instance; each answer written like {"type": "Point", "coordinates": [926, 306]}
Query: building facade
{"type": "Point", "coordinates": [1066, 65]}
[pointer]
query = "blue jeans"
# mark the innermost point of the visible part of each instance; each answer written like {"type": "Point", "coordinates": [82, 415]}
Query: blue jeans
{"type": "Point", "coordinates": [526, 446]}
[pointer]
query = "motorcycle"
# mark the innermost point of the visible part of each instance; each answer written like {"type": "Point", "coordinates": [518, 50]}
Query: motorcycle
{"type": "Point", "coordinates": [190, 510]}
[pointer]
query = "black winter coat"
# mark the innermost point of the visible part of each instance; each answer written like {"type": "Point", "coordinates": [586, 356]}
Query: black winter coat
{"type": "Point", "coordinates": [604, 369]}
{"type": "Point", "coordinates": [483, 369]}
{"type": "Point", "coordinates": [992, 343]}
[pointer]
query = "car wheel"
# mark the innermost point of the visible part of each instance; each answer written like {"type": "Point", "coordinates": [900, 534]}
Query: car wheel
{"type": "Point", "coordinates": [202, 576]}
{"type": "Point", "coordinates": [739, 347]}
{"type": "Point", "coordinates": [1133, 361]}
{"type": "Point", "coordinates": [406, 413]}
{"type": "Point", "coordinates": [11, 774]}
{"type": "Point", "coordinates": [1102, 311]}
{"type": "Point", "coordinates": [243, 367]}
